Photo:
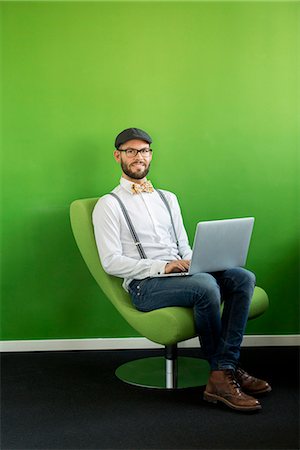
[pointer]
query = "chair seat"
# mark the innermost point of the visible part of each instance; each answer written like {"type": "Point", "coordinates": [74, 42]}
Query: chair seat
{"type": "Point", "coordinates": [167, 326]}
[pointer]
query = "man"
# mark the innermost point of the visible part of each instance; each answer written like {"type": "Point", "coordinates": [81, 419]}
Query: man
{"type": "Point", "coordinates": [138, 238]}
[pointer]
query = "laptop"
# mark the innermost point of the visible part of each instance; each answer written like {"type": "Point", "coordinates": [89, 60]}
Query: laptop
{"type": "Point", "coordinates": [219, 245]}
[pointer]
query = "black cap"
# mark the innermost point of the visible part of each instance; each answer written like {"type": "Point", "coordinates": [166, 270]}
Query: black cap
{"type": "Point", "coordinates": [132, 133]}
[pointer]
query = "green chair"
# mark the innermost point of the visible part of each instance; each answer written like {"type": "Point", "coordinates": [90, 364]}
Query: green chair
{"type": "Point", "coordinates": [165, 326]}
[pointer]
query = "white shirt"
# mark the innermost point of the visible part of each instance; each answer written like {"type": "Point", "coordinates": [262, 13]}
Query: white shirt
{"type": "Point", "coordinates": [118, 253]}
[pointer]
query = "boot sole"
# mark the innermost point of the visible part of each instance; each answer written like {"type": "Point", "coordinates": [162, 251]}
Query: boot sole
{"type": "Point", "coordinates": [213, 398]}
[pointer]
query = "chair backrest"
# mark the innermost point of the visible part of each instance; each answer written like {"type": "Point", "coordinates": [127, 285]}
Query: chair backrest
{"type": "Point", "coordinates": [82, 226]}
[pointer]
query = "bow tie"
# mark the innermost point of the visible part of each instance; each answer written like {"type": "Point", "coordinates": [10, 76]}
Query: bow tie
{"type": "Point", "coordinates": [144, 187]}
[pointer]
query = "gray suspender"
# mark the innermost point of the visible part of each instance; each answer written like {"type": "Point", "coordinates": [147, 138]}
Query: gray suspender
{"type": "Point", "coordinates": [163, 197]}
{"type": "Point", "coordinates": [131, 227]}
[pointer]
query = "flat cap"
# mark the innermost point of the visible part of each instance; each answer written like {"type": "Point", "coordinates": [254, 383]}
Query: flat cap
{"type": "Point", "coordinates": [132, 133]}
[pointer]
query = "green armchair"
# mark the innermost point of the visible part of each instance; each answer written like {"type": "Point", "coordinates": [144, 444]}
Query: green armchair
{"type": "Point", "coordinates": [165, 326]}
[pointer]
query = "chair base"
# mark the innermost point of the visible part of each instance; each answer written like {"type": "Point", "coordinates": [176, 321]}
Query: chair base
{"type": "Point", "coordinates": [151, 372]}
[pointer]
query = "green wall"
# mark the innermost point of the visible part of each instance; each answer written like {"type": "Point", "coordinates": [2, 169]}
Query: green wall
{"type": "Point", "coordinates": [214, 83]}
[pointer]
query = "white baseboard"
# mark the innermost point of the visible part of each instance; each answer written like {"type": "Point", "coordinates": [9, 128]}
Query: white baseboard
{"type": "Point", "coordinates": [134, 343]}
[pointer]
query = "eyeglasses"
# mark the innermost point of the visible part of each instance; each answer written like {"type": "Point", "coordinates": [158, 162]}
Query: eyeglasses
{"type": "Point", "coordinates": [132, 152]}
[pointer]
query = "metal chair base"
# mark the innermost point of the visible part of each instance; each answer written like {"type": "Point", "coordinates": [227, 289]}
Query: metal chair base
{"type": "Point", "coordinates": [164, 373]}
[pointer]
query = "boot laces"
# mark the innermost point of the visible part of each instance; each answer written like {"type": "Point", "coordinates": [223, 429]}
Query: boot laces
{"type": "Point", "coordinates": [233, 381]}
{"type": "Point", "coordinates": [242, 373]}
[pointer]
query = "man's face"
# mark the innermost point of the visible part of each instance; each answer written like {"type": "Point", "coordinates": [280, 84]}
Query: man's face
{"type": "Point", "coordinates": [134, 167]}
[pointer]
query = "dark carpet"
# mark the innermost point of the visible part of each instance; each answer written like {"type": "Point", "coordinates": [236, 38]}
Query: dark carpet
{"type": "Point", "coordinates": [72, 400]}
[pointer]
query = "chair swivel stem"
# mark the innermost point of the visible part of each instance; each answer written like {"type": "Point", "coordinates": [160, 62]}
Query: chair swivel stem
{"type": "Point", "coordinates": [171, 366]}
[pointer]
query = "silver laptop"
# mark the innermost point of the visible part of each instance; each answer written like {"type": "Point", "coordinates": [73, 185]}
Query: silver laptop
{"type": "Point", "coordinates": [219, 245]}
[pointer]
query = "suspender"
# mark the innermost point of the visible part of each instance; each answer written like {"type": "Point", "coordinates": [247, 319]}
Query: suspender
{"type": "Point", "coordinates": [163, 197]}
{"type": "Point", "coordinates": [132, 229]}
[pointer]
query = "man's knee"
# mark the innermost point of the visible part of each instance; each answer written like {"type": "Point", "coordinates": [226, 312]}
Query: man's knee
{"type": "Point", "coordinates": [241, 276]}
{"type": "Point", "coordinates": [206, 288]}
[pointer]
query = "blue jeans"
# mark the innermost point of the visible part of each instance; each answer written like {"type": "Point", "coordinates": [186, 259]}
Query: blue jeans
{"type": "Point", "coordinates": [220, 336]}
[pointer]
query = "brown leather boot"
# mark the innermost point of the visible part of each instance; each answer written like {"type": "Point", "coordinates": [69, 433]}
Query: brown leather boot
{"type": "Point", "coordinates": [223, 387]}
{"type": "Point", "coordinates": [250, 384]}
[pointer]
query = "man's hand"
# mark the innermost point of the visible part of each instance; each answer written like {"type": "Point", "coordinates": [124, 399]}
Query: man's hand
{"type": "Point", "coordinates": [179, 265]}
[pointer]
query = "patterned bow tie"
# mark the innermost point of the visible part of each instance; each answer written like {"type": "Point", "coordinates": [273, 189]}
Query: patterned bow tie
{"type": "Point", "coordinates": [144, 187]}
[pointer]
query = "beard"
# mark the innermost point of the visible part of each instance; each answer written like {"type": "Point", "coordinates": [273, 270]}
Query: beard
{"type": "Point", "coordinates": [135, 175]}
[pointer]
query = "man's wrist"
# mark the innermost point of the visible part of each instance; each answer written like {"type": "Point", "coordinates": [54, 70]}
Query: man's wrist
{"type": "Point", "coordinates": [157, 268]}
